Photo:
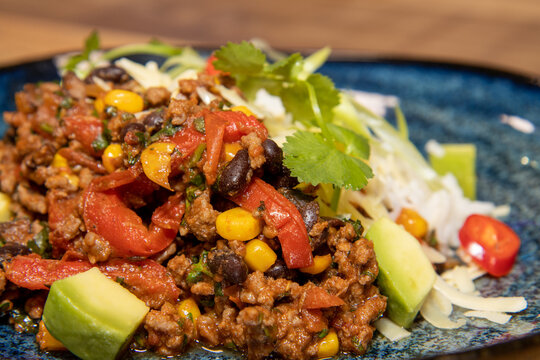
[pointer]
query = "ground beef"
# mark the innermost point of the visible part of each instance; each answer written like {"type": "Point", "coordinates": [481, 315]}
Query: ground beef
{"type": "Point", "coordinates": [34, 305]}
{"type": "Point", "coordinates": [17, 231]}
{"type": "Point", "coordinates": [253, 143]}
{"type": "Point", "coordinates": [31, 199]}
{"type": "Point", "coordinates": [180, 109]}
{"type": "Point", "coordinates": [201, 218]}
{"type": "Point", "coordinates": [96, 248]}
{"type": "Point", "coordinates": [179, 267]}
{"type": "Point", "coordinates": [2, 281]}
{"type": "Point", "coordinates": [168, 333]}
{"type": "Point", "coordinates": [157, 96]}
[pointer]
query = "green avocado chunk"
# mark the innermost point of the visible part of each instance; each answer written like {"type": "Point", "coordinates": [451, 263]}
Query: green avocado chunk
{"type": "Point", "coordinates": [460, 160]}
{"type": "Point", "coordinates": [405, 273]}
{"type": "Point", "coordinates": [93, 316]}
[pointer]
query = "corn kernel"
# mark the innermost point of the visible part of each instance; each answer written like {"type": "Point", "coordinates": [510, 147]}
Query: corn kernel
{"type": "Point", "coordinates": [230, 150]}
{"type": "Point", "coordinates": [243, 109]}
{"type": "Point", "coordinates": [59, 161]}
{"type": "Point", "coordinates": [72, 178]}
{"type": "Point", "coordinates": [5, 202]}
{"type": "Point", "coordinates": [112, 157]}
{"type": "Point", "coordinates": [237, 224]}
{"type": "Point", "coordinates": [320, 263]}
{"type": "Point", "coordinates": [187, 307]}
{"type": "Point", "coordinates": [328, 345]}
{"type": "Point", "coordinates": [124, 100]}
{"type": "Point", "coordinates": [259, 256]}
{"type": "Point", "coordinates": [99, 105]}
{"type": "Point", "coordinates": [46, 341]}
{"type": "Point", "coordinates": [156, 162]}
{"type": "Point", "coordinates": [413, 222]}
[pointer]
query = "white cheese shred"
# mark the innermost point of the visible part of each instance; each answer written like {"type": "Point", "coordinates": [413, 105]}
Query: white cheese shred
{"type": "Point", "coordinates": [495, 316]}
{"type": "Point", "coordinates": [436, 315]}
{"type": "Point", "coordinates": [472, 302]}
{"type": "Point", "coordinates": [391, 330]}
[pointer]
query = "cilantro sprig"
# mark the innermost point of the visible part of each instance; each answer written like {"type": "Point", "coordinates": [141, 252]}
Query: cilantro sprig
{"type": "Point", "coordinates": [323, 153]}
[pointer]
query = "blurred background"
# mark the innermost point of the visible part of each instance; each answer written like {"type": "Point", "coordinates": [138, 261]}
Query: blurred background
{"type": "Point", "coordinates": [496, 33]}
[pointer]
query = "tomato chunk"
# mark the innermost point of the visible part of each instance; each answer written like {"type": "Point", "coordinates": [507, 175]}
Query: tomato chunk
{"type": "Point", "coordinates": [492, 244]}
{"type": "Point", "coordinates": [317, 298]}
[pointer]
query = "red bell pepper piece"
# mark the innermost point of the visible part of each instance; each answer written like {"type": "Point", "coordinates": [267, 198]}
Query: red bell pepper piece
{"type": "Point", "coordinates": [210, 69]}
{"type": "Point", "coordinates": [284, 217]}
{"type": "Point", "coordinates": [318, 298]}
{"type": "Point", "coordinates": [146, 278]}
{"type": "Point", "coordinates": [214, 130]}
{"type": "Point", "coordinates": [492, 244]}
{"type": "Point", "coordinates": [106, 214]}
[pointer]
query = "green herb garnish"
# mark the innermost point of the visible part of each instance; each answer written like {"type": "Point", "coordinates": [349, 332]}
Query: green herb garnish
{"type": "Point", "coordinates": [40, 243]}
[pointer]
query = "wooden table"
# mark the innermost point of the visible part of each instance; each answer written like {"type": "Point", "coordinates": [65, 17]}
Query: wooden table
{"type": "Point", "coordinates": [504, 34]}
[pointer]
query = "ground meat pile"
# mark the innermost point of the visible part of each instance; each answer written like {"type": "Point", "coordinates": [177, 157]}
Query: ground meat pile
{"type": "Point", "coordinates": [77, 166]}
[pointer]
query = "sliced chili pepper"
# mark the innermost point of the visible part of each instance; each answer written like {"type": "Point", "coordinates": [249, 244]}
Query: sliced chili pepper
{"type": "Point", "coordinates": [284, 217]}
{"type": "Point", "coordinates": [492, 244]}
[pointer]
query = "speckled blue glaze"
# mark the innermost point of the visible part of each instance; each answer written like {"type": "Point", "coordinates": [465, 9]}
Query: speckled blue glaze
{"type": "Point", "coordinates": [443, 102]}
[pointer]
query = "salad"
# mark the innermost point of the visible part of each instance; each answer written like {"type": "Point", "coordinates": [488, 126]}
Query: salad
{"type": "Point", "coordinates": [237, 201]}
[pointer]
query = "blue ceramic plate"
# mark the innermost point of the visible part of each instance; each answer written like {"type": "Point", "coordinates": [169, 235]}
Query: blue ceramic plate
{"type": "Point", "coordinates": [445, 102]}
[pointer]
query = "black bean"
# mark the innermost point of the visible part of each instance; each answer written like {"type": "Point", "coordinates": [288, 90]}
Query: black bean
{"type": "Point", "coordinates": [306, 205]}
{"type": "Point", "coordinates": [280, 271]}
{"type": "Point", "coordinates": [12, 249]}
{"type": "Point", "coordinates": [109, 73]}
{"type": "Point", "coordinates": [131, 127]}
{"type": "Point", "coordinates": [283, 180]}
{"type": "Point", "coordinates": [228, 264]}
{"type": "Point", "coordinates": [154, 121]}
{"type": "Point", "coordinates": [274, 157]}
{"type": "Point", "coordinates": [235, 175]}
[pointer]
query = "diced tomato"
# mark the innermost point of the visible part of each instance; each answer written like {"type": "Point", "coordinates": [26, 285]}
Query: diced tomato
{"type": "Point", "coordinates": [187, 140]}
{"type": "Point", "coordinates": [240, 124]}
{"type": "Point", "coordinates": [318, 298]}
{"type": "Point", "coordinates": [491, 244]}
{"type": "Point", "coordinates": [85, 129]}
{"type": "Point", "coordinates": [210, 69]}
{"type": "Point", "coordinates": [284, 217]}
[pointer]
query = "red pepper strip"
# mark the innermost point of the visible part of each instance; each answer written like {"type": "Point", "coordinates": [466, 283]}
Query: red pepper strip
{"type": "Point", "coordinates": [214, 127]}
{"type": "Point", "coordinates": [146, 279]}
{"type": "Point", "coordinates": [284, 217]}
{"type": "Point", "coordinates": [317, 298]}
{"type": "Point", "coordinates": [106, 214]}
{"type": "Point", "coordinates": [86, 129]}
{"type": "Point", "coordinates": [492, 244]}
{"type": "Point", "coordinates": [240, 124]}
{"type": "Point", "coordinates": [34, 273]}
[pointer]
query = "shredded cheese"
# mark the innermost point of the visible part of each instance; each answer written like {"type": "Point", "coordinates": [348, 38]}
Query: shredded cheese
{"type": "Point", "coordinates": [502, 304]}
{"type": "Point", "coordinates": [498, 317]}
{"type": "Point", "coordinates": [391, 330]}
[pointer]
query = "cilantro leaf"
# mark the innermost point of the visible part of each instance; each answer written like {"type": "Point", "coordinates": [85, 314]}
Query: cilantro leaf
{"type": "Point", "coordinates": [91, 43]}
{"type": "Point", "coordinates": [287, 69]}
{"type": "Point", "coordinates": [314, 159]}
{"type": "Point", "coordinates": [240, 59]}
{"type": "Point", "coordinates": [296, 99]}
{"type": "Point", "coordinates": [353, 144]}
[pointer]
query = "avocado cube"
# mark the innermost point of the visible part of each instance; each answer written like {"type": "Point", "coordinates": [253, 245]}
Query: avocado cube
{"type": "Point", "coordinates": [93, 316]}
{"type": "Point", "coordinates": [406, 276]}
